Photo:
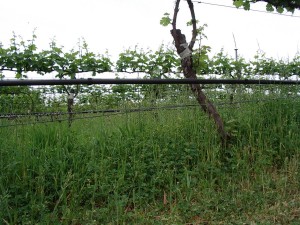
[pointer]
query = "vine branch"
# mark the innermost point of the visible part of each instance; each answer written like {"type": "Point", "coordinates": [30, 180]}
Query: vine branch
{"type": "Point", "coordinates": [185, 52]}
{"type": "Point", "coordinates": [194, 34]}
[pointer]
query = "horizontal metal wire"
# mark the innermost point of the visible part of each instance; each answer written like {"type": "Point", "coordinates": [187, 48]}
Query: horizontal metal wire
{"type": "Point", "coordinates": [110, 112]}
{"type": "Point", "coordinates": [91, 81]}
{"type": "Point", "coordinates": [56, 114]}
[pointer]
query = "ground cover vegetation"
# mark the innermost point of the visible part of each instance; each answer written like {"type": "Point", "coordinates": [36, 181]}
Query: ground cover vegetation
{"type": "Point", "coordinates": [160, 166]}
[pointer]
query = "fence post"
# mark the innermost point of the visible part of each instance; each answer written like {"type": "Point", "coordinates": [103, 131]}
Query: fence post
{"type": "Point", "coordinates": [70, 106]}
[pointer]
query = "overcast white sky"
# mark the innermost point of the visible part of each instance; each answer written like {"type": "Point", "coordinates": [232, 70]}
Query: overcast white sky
{"type": "Point", "coordinates": [119, 24]}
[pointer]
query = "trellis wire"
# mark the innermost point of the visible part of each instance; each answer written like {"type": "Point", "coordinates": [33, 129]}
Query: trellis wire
{"type": "Point", "coordinates": [56, 116]}
{"type": "Point", "coordinates": [112, 112]}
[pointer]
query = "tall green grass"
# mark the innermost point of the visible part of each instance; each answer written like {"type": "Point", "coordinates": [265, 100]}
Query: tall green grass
{"type": "Point", "coordinates": [163, 167]}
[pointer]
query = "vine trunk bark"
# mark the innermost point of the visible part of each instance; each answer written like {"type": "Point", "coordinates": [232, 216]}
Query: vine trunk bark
{"type": "Point", "coordinates": [189, 72]}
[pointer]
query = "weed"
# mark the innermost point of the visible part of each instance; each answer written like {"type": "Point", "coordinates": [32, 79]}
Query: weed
{"type": "Point", "coordinates": [165, 167]}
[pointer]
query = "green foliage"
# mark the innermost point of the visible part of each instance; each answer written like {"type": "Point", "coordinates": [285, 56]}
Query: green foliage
{"type": "Point", "coordinates": [228, 67]}
{"type": "Point", "coordinates": [162, 63]}
{"type": "Point", "coordinates": [289, 5]}
{"type": "Point", "coordinates": [280, 9]}
{"type": "Point", "coordinates": [154, 64]}
{"type": "Point", "coordinates": [23, 100]}
{"type": "Point", "coordinates": [202, 60]}
{"type": "Point", "coordinates": [270, 7]}
{"type": "Point", "coordinates": [162, 168]}
{"type": "Point", "coordinates": [22, 57]}
{"type": "Point", "coordinates": [165, 20]}
{"type": "Point", "coordinates": [240, 3]}
{"type": "Point", "coordinates": [262, 65]}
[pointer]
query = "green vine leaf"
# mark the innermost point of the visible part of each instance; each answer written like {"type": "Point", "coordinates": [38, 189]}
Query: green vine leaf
{"type": "Point", "coordinates": [280, 9]}
{"type": "Point", "coordinates": [238, 3]}
{"type": "Point", "coordinates": [165, 20]}
{"type": "Point", "coordinates": [246, 5]}
{"type": "Point", "coordinates": [270, 7]}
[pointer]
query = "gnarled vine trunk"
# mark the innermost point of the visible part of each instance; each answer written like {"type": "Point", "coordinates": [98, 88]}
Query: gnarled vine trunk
{"type": "Point", "coordinates": [184, 50]}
